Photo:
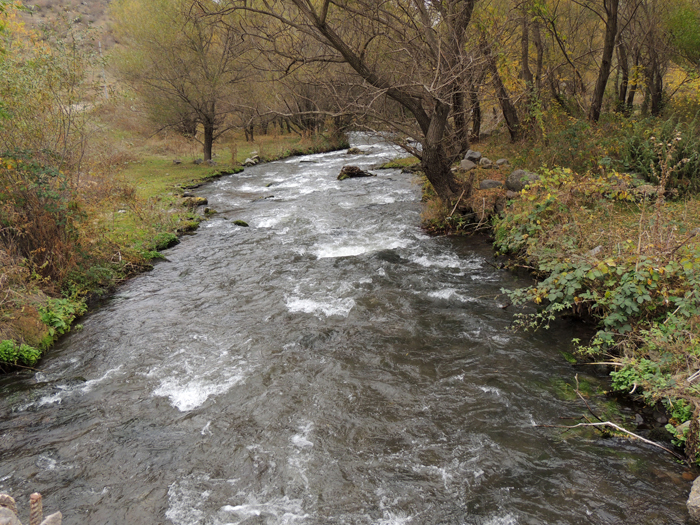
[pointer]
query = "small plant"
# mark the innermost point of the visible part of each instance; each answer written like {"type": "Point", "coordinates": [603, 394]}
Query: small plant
{"type": "Point", "coordinates": [13, 354]}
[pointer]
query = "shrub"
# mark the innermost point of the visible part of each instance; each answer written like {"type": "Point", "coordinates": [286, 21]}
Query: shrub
{"type": "Point", "coordinates": [13, 354]}
{"type": "Point", "coordinates": [643, 154]}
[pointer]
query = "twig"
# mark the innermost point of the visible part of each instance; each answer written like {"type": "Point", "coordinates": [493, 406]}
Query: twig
{"type": "Point", "coordinates": [620, 429]}
{"type": "Point", "coordinates": [695, 233]}
{"type": "Point", "coordinates": [584, 400]}
{"type": "Point", "coordinates": [457, 203]}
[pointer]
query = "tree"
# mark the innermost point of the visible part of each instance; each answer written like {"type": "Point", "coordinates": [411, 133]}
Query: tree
{"type": "Point", "coordinates": [411, 53]}
{"type": "Point", "coordinates": [610, 7]}
{"type": "Point", "coordinates": [184, 65]}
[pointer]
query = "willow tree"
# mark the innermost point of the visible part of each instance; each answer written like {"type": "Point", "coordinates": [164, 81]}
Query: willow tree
{"type": "Point", "coordinates": [183, 64]}
{"type": "Point", "coordinates": [410, 52]}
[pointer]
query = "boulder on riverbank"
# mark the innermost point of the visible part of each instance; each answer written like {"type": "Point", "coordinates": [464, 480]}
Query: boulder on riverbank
{"type": "Point", "coordinates": [519, 179]}
{"type": "Point", "coordinates": [694, 502]}
{"type": "Point", "coordinates": [194, 202]}
{"type": "Point", "coordinates": [352, 172]}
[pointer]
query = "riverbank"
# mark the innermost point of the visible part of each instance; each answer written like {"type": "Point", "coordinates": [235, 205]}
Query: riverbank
{"type": "Point", "coordinates": [118, 223]}
{"type": "Point", "coordinates": [619, 250]}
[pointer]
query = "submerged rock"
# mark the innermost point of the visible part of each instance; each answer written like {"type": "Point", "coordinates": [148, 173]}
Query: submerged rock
{"type": "Point", "coordinates": [351, 172]}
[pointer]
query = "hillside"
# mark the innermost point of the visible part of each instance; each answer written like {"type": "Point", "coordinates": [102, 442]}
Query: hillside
{"type": "Point", "coordinates": [88, 13]}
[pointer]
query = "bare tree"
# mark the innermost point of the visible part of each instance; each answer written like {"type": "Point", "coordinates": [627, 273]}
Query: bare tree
{"type": "Point", "coordinates": [185, 65]}
{"type": "Point", "coordinates": [411, 52]}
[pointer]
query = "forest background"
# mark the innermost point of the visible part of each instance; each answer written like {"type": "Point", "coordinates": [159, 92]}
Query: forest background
{"type": "Point", "coordinates": [105, 106]}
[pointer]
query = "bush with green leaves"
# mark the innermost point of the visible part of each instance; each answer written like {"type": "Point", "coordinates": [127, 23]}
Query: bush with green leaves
{"type": "Point", "coordinates": [643, 154]}
{"type": "Point", "coordinates": [13, 354]}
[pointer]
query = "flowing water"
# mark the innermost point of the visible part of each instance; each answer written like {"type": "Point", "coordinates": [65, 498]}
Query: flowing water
{"type": "Point", "coordinates": [330, 364]}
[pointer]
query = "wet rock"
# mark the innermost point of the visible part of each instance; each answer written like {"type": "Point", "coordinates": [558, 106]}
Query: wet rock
{"type": "Point", "coordinates": [694, 502]}
{"type": "Point", "coordinates": [7, 517]}
{"type": "Point", "coordinates": [502, 162]}
{"type": "Point", "coordinates": [467, 165]}
{"type": "Point", "coordinates": [241, 223]}
{"type": "Point", "coordinates": [356, 151]}
{"type": "Point", "coordinates": [519, 179]}
{"type": "Point", "coordinates": [485, 162]}
{"type": "Point", "coordinates": [194, 202]}
{"type": "Point", "coordinates": [490, 184]}
{"type": "Point", "coordinates": [351, 172]}
{"type": "Point", "coordinates": [210, 211]}
{"type": "Point", "coordinates": [472, 155]}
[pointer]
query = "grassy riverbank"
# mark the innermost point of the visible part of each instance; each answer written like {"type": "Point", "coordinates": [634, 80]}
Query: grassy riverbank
{"type": "Point", "coordinates": [613, 238]}
{"type": "Point", "coordinates": [73, 237]}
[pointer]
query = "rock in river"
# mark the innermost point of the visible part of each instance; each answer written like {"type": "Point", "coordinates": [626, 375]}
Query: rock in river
{"type": "Point", "coordinates": [351, 172]}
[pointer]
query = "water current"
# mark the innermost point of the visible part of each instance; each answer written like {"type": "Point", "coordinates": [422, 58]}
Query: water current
{"type": "Point", "coordinates": [330, 364]}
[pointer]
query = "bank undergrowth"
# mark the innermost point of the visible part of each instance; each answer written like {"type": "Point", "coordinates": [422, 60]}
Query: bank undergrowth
{"type": "Point", "coordinates": [622, 249]}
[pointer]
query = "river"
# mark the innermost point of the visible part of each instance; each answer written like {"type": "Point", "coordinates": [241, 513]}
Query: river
{"type": "Point", "coordinates": [330, 364]}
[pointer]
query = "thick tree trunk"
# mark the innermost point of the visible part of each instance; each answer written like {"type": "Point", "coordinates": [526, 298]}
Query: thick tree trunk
{"type": "Point", "coordinates": [606, 62]}
{"type": "Point", "coordinates": [435, 162]}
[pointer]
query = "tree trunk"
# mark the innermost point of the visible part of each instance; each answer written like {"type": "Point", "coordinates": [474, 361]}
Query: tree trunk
{"type": "Point", "coordinates": [526, 74]}
{"type": "Point", "coordinates": [460, 118]}
{"type": "Point", "coordinates": [476, 111]}
{"type": "Point", "coordinates": [623, 64]}
{"type": "Point", "coordinates": [537, 40]}
{"type": "Point", "coordinates": [510, 114]}
{"type": "Point", "coordinates": [635, 83]}
{"type": "Point", "coordinates": [208, 139]}
{"type": "Point", "coordinates": [606, 63]}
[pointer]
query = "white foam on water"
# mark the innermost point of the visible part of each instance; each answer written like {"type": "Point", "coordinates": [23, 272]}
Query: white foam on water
{"type": "Point", "coordinates": [351, 248]}
{"type": "Point", "coordinates": [187, 393]}
{"type": "Point", "coordinates": [490, 390]}
{"type": "Point", "coordinates": [185, 500]}
{"type": "Point", "coordinates": [65, 391]}
{"type": "Point", "coordinates": [508, 519]}
{"type": "Point", "coordinates": [250, 188]}
{"type": "Point", "coordinates": [282, 511]}
{"type": "Point", "coordinates": [268, 222]}
{"type": "Point", "coordinates": [301, 440]}
{"type": "Point", "coordinates": [327, 306]}
{"type": "Point", "coordinates": [394, 519]}
{"type": "Point", "coordinates": [450, 293]}
{"type": "Point", "coordinates": [445, 261]}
